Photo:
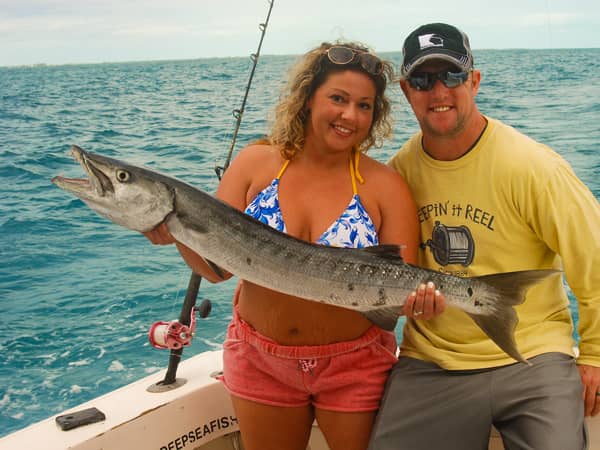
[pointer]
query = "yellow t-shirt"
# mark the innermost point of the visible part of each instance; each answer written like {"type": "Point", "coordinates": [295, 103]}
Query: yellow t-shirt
{"type": "Point", "coordinates": [509, 204]}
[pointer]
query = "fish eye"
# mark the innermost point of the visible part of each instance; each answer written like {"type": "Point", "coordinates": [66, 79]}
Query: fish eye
{"type": "Point", "coordinates": [123, 176]}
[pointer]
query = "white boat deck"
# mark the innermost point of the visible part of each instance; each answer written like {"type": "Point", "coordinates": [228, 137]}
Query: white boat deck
{"type": "Point", "coordinates": [197, 415]}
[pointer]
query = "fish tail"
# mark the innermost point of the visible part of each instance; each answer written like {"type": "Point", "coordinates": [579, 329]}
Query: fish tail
{"type": "Point", "coordinates": [510, 288]}
{"type": "Point", "coordinates": [514, 285]}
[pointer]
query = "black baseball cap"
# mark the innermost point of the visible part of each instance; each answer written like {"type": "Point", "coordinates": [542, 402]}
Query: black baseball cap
{"type": "Point", "coordinates": [436, 41]}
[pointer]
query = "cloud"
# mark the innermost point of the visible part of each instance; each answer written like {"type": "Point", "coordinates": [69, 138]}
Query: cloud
{"type": "Point", "coordinates": [59, 31]}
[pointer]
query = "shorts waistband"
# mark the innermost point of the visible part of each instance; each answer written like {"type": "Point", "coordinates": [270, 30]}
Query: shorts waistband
{"type": "Point", "coordinates": [245, 332]}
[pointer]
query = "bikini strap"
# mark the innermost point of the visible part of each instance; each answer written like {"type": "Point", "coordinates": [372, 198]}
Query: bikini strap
{"type": "Point", "coordinates": [285, 164]}
{"type": "Point", "coordinates": [354, 173]}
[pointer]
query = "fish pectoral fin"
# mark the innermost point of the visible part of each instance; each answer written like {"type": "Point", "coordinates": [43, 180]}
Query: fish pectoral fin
{"type": "Point", "coordinates": [216, 269]}
{"type": "Point", "coordinates": [385, 318]}
{"type": "Point", "coordinates": [389, 251]}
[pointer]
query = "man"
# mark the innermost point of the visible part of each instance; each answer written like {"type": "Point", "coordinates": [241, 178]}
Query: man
{"type": "Point", "coordinates": [491, 200]}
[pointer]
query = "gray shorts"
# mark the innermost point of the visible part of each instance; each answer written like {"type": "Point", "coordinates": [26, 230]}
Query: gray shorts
{"type": "Point", "coordinates": [534, 408]}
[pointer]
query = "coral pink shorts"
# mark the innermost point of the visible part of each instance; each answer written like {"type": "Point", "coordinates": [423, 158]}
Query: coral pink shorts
{"type": "Point", "coordinates": [347, 376]}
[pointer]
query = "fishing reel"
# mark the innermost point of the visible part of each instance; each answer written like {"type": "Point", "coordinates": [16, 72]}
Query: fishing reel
{"type": "Point", "coordinates": [175, 335]}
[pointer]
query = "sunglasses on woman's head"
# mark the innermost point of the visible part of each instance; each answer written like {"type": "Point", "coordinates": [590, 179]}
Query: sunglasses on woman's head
{"type": "Point", "coordinates": [344, 55]}
{"type": "Point", "coordinates": [424, 81]}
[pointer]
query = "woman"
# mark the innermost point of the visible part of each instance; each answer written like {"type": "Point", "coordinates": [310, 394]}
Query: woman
{"type": "Point", "coordinates": [288, 360]}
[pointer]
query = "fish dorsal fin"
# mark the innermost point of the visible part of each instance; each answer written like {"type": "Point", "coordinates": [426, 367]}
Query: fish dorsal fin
{"type": "Point", "coordinates": [389, 251]}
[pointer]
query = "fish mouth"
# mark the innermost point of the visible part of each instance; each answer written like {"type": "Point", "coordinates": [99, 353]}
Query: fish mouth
{"type": "Point", "coordinates": [97, 182]}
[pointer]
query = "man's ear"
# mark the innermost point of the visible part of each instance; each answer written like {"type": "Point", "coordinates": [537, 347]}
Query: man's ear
{"type": "Point", "coordinates": [475, 80]}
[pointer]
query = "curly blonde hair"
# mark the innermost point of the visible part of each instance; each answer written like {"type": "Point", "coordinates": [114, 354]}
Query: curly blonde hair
{"type": "Point", "coordinates": [310, 72]}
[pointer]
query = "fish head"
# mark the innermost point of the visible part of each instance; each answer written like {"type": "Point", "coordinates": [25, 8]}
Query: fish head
{"type": "Point", "coordinates": [130, 196]}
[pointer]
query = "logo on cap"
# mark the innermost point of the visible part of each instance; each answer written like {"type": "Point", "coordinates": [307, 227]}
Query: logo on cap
{"type": "Point", "coordinates": [430, 40]}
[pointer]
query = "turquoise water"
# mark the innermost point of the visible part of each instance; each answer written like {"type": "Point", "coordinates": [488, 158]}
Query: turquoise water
{"type": "Point", "coordinates": [78, 294]}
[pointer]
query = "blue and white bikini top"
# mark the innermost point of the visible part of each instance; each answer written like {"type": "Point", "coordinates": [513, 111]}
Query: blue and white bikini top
{"type": "Point", "coordinates": [354, 228]}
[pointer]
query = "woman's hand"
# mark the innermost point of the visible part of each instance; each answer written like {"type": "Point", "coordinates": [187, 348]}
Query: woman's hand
{"type": "Point", "coordinates": [160, 235]}
{"type": "Point", "coordinates": [425, 303]}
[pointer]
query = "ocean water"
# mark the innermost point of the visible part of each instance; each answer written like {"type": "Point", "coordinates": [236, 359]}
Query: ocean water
{"type": "Point", "coordinates": [78, 294]}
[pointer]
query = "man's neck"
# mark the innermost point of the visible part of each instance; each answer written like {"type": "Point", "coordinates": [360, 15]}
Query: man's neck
{"type": "Point", "coordinates": [450, 148]}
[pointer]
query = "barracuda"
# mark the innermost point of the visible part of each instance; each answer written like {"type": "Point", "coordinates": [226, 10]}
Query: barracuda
{"type": "Point", "coordinates": [374, 281]}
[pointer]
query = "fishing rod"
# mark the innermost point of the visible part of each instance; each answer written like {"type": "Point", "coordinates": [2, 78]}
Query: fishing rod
{"type": "Point", "coordinates": [177, 334]}
{"type": "Point", "coordinates": [238, 113]}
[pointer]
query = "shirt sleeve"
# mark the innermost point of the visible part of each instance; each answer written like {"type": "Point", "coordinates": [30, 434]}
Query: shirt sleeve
{"type": "Point", "coordinates": [567, 219]}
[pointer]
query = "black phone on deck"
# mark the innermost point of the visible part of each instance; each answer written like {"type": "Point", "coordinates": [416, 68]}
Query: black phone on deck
{"type": "Point", "coordinates": [79, 418]}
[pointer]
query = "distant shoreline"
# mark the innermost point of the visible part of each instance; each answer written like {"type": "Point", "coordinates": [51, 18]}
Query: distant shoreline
{"type": "Point", "coordinates": [212, 58]}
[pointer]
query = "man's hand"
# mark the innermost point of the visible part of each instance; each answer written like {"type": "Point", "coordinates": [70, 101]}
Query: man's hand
{"type": "Point", "coordinates": [590, 377]}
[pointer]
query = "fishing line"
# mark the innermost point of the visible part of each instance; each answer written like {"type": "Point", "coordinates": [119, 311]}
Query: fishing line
{"type": "Point", "coordinates": [548, 23]}
{"type": "Point", "coordinates": [176, 300]}
{"type": "Point", "coordinates": [188, 309]}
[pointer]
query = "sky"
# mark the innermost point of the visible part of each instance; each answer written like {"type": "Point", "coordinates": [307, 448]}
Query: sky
{"type": "Point", "coordinates": [94, 31]}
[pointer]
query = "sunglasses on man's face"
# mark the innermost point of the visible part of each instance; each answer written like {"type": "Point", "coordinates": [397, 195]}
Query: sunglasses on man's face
{"type": "Point", "coordinates": [345, 55]}
{"type": "Point", "coordinates": [424, 81]}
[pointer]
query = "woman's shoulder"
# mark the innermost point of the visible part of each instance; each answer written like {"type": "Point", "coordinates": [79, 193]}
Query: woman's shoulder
{"type": "Point", "coordinates": [258, 150]}
{"type": "Point", "coordinates": [254, 164]}
{"type": "Point", "coordinates": [257, 157]}
{"type": "Point", "coordinates": [253, 168]}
